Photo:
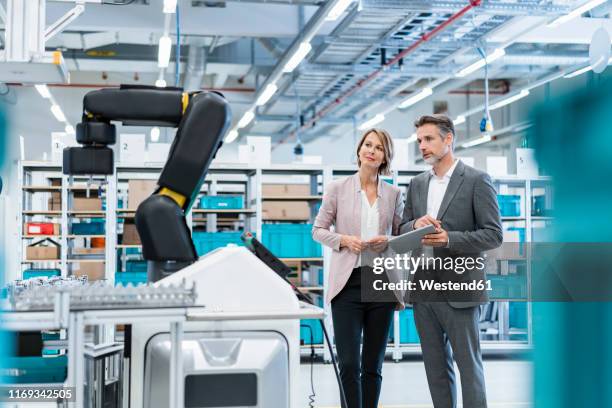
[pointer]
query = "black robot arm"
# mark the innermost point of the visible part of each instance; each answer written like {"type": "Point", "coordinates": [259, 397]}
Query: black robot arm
{"type": "Point", "coordinates": [202, 119]}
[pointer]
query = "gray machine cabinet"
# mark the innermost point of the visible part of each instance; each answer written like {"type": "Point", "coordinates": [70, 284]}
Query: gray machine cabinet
{"type": "Point", "coordinates": [221, 369]}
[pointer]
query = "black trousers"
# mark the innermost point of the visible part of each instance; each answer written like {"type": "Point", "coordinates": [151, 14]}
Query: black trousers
{"type": "Point", "coordinates": [360, 374]}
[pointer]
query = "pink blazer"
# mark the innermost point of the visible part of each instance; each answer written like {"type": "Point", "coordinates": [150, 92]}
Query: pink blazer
{"type": "Point", "coordinates": [341, 208]}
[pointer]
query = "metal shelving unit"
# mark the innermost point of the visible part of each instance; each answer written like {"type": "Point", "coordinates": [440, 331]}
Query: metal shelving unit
{"type": "Point", "coordinates": [248, 181]}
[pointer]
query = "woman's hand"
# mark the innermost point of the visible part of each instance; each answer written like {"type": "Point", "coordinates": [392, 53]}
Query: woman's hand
{"type": "Point", "coordinates": [378, 243]}
{"type": "Point", "coordinates": [353, 243]}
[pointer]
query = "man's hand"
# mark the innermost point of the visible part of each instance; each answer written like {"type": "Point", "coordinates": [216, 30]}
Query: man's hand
{"type": "Point", "coordinates": [427, 220]}
{"type": "Point", "coordinates": [437, 239]}
{"type": "Point", "coordinates": [378, 243]}
{"type": "Point", "coordinates": [353, 243]}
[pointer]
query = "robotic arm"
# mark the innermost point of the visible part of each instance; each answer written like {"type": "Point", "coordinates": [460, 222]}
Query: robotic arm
{"type": "Point", "coordinates": [202, 119]}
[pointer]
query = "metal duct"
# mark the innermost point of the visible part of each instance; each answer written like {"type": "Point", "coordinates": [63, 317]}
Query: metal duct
{"type": "Point", "coordinates": [196, 68]}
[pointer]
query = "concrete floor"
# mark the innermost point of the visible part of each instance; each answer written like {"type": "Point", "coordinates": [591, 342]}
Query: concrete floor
{"type": "Point", "coordinates": [405, 386]}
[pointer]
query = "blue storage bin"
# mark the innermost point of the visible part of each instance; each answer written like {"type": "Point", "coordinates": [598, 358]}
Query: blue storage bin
{"type": "Point", "coordinates": [136, 266]}
{"type": "Point", "coordinates": [518, 315]}
{"type": "Point", "coordinates": [508, 286]}
{"type": "Point", "coordinates": [538, 206]}
{"type": "Point", "coordinates": [521, 232]}
{"type": "Point", "coordinates": [317, 332]}
{"type": "Point", "coordinates": [135, 278]}
{"type": "Point", "coordinates": [408, 331]}
{"type": "Point", "coordinates": [290, 240]}
{"type": "Point", "coordinates": [88, 228]}
{"type": "Point", "coordinates": [205, 242]}
{"type": "Point", "coordinates": [30, 370]}
{"type": "Point", "coordinates": [37, 273]}
{"type": "Point", "coordinates": [50, 336]}
{"type": "Point", "coordinates": [509, 205]}
{"type": "Point", "coordinates": [222, 202]}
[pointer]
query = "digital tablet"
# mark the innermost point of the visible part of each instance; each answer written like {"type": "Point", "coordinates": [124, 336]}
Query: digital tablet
{"type": "Point", "coordinates": [410, 240]}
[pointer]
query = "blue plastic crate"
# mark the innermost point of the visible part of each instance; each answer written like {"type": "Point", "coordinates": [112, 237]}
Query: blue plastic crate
{"type": "Point", "coordinates": [509, 205]}
{"type": "Point", "coordinates": [538, 206]}
{"type": "Point", "coordinates": [37, 273]}
{"type": "Point", "coordinates": [408, 331]}
{"type": "Point", "coordinates": [518, 315]}
{"type": "Point", "coordinates": [222, 202]}
{"type": "Point", "coordinates": [136, 266]}
{"type": "Point", "coordinates": [513, 286]}
{"type": "Point", "coordinates": [521, 232]}
{"type": "Point", "coordinates": [135, 278]}
{"type": "Point", "coordinates": [205, 242]}
{"type": "Point", "coordinates": [29, 370]}
{"type": "Point", "coordinates": [88, 228]}
{"type": "Point", "coordinates": [305, 332]}
{"type": "Point", "coordinates": [290, 240]}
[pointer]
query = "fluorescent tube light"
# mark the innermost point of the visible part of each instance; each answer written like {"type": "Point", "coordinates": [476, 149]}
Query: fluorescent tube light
{"type": "Point", "coordinates": [297, 57]}
{"type": "Point", "coordinates": [575, 13]}
{"type": "Point", "coordinates": [246, 119]}
{"type": "Point", "coordinates": [371, 122]}
{"type": "Point", "coordinates": [169, 6]}
{"type": "Point", "coordinates": [578, 72]}
{"type": "Point", "coordinates": [163, 53]}
{"type": "Point", "coordinates": [459, 120]}
{"type": "Point", "coordinates": [266, 94]}
{"type": "Point", "coordinates": [160, 83]}
{"type": "Point", "coordinates": [69, 129]}
{"type": "Point", "coordinates": [412, 138]}
{"type": "Point", "coordinates": [476, 142]}
{"type": "Point", "coordinates": [155, 134]}
{"type": "Point", "coordinates": [424, 93]}
{"type": "Point", "coordinates": [509, 100]}
{"type": "Point", "coordinates": [57, 112]}
{"type": "Point", "coordinates": [337, 10]}
{"type": "Point", "coordinates": [43, 90]}
{"type": "Point", "coordinates": [495, 55]}
{"type": "Point", "coordinates": [231, 136]}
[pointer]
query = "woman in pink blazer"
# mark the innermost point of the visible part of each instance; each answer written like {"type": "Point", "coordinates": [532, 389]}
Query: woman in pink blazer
{"type": "Point", "coordinates": [364, 210]}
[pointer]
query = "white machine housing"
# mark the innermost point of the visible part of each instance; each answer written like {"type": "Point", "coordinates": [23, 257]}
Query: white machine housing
{"type": "Point", "coordinates": [228, 280]}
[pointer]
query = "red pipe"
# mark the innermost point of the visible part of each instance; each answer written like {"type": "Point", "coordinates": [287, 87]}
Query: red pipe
{"type": "Point", "coordinates": [424, 38]}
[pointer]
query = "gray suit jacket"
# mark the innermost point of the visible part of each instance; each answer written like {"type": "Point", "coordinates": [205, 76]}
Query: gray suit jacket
{"type": "Point", "coordinates": [470, 214]}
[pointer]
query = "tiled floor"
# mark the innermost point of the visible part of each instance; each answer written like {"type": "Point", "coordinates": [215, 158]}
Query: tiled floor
{"type": "Point", "coordinates": [405, 386]}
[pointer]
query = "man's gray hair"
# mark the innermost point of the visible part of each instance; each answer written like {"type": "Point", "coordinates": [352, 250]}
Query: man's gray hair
{"type": "Point", "coordinates": [444, 123]}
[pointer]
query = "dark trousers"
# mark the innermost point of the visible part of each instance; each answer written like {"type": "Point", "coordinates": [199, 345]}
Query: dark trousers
{"type": "Point", "coordinates": [361, 375]}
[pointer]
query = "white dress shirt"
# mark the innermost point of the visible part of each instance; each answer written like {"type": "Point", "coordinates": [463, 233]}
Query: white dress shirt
{"type": "Point", "coordinates": [435, 195]}
{"type": "Point", "coordinates": [369, 221]}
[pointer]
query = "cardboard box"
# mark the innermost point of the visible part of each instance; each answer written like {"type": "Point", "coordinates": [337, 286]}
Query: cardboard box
{"type": "Point", "coordinates": [275, 190]}
{"type": "Point", "coordinates": [130, 235]}
{"type": "Point", "coordinates": [40, 252]}
{"type": "Point", "coordinates": [41, 228]}
{"type": "Point", "coordinates": [93, 270]}
{"type": "Point", "coordinates": [285, 210]}
{"type": "Point", "coordinates": [139, 190]}
{"type": "Point", "coordinates": [87, 204]}
{"type": "Point", "coordinates": [54, 204]}
{"type": "Point", "coordinates": [88, 251]}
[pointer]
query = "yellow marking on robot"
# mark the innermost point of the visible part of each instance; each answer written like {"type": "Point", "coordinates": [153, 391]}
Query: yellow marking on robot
{"type": "Point", "coordinates": [177, 197]}
{"type": "Point", "coordinates": [185, 101]}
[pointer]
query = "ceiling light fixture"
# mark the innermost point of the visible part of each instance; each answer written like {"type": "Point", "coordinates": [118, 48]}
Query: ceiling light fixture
{"type": "Point", "coordinates": [57, 112]}
{"type": "Point", "coordinates": [163, 52]}
{"type": "Point", "coordinates": [575, 13]}
{"type": "Point", "coordinates": [43, 90]}
{"type": "Point", "coordinates": [424, 93]}
{"type": "Point", "coordinates": [371, 122]}
{"type": "Point", "coordinates": [231, 136]}
{"type": "Point", "coordinates": [509, 100]}
{"type": "Point", "coordinates": [297, 57]}
{"type": "Point", "coordinates": [337, 10]}
{"type": "Point", "coordinates": [266, 94]}
{"type": "Point", "coordinates": [246, 119]}
{"type": "Point", "coordinates": [497, 54]}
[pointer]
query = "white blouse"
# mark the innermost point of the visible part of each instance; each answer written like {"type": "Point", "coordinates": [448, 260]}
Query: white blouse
{"type": "Point", "coordinates": [369, 221]}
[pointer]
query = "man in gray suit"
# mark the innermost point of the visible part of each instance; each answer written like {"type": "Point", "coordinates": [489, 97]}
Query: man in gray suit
{"type": "Point", "coordinates": [461, 203]}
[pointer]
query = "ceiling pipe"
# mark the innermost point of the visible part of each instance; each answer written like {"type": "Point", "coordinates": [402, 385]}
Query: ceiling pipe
{"type": "Point", "coordinates": [361, 83]}
{"type": "Point", "coordinates": [196, 67]}
{"type": "Point", "coordinates": [308, 32]}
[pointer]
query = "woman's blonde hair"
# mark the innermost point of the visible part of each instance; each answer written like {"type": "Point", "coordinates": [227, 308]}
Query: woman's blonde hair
{"type": "Point", "coordinates": [387, 142]}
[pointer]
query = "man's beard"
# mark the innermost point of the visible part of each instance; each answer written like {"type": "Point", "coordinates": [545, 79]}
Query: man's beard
{"type": "Point", "coordinates": [433, 159]}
